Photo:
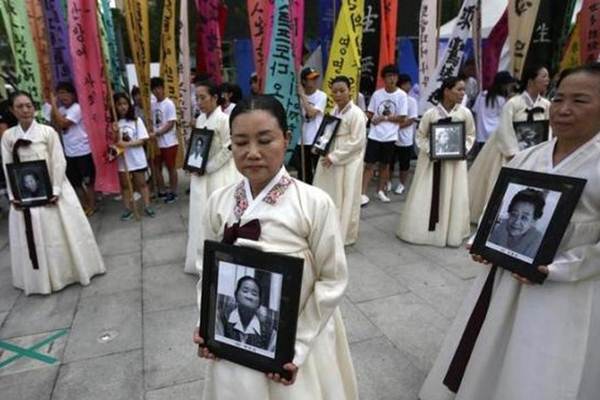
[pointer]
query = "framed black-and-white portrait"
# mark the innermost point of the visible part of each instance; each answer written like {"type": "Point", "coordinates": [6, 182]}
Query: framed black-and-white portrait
{"type": "Point", "coordinates": [30, 182]}
{"type": "Point", "coordinates": [325, 134]}
{"type": "Point", "coordinates": [198, 148]}
{"type": "Point", "coordinates": [249, 305]}
{"type": "Point", "coordinates": [531, 133]}
{"type": "Point", "coordinates": [525, 220]}
{"type": "Point", "coordinates": [447, 141]}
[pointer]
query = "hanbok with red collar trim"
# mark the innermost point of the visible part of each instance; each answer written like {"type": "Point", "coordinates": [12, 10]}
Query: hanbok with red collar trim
{"type": "Point", "coordinates": [297, 220]}
{"type": "Point", "coordinates": [538, 341]}
{"type": "Point", "coordinates": [64, 242]}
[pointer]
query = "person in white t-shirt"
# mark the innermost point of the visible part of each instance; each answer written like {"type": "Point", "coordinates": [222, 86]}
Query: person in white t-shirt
{"type": "Point", "coordinates": [406, 135]}
{"type": "Point", "coordinates": [388, 107]}
{"type": "Point", "coordinates": [313, 102]}
{"type": "Point", "coordinates": [81, 170]}
{"type": "Point", "coordinates": [164, 123]}
{"type": "Point", "coordinates": [229, 95]}
{"type": "Point", "coordinates": [131, 134]}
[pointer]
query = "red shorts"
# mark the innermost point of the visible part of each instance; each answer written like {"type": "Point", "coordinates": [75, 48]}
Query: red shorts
{"type": "Point", "coordinates": [168, 155]}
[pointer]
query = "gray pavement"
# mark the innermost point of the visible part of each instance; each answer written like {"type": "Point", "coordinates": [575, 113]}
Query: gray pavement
{"type": "Point", "coordinates": [128, 334]}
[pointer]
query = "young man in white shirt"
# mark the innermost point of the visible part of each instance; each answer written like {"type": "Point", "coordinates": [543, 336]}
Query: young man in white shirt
{"type": "Point", "coordinates": [387, 109]}
{"type": "Point", "coordinates": [81, 171]}
{"type": "Point", "coordinates": [406, 135]}
{"type": "Point", "coordinates": [164, 129]}
{"type": "Point", "coordinates": [313, 102]}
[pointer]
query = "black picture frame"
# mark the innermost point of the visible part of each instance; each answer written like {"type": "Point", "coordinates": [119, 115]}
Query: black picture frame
{"type": "Point", "coordinates": [533, 247]}
{"type": "Point", "coordinates": [454, 146]}
{"type": "Point", "coordinates": [193, 162]}
{"type": "Point", "coordinates": [276, 313]}
{"type": "Point", "coordinates": [325, 134]}
{"type": "Point", "coordinates": [531, 133]}
{"type": "Point", "coordinates": [39, 176]}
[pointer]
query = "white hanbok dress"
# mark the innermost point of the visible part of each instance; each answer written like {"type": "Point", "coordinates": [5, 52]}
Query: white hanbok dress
{"type": "Point", "coordinates": [538, 342]}
{"type": "Point", "coordinates": [499, 149]}
{"type": "Point", "coordinates": [64, 242]}
{"type": "Point", "coordinates": [343, 180]}
{"type": "Point", "coordinates": [297, 220]}
{"type": "Point", "coordinates": [220, 171]}
{"type": "Point", "coordinates": [453, 225]}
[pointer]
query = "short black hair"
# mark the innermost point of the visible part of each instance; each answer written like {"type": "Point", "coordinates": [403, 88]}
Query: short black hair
{"type": "Point", "coordinates": [248, 278]}
{"type": "Point", "coordinates": [404, 78]}
{"type": "Point", "coordinates": [135, 91]}
{"type": "Point", "coordinates": [213, 89]}
{"type": "Point", "coordinates": [67, 87]}
{"type": "Point", "coordinates": [343, 79]}
{"type": "Point", "coordinates": [264, 102]}
{"type": "Point", "coordinates": [156, 82]}
{"type": "Point", "coordinates": [531, 196]}
{"type": "Point", "coordinates": [389, 69]}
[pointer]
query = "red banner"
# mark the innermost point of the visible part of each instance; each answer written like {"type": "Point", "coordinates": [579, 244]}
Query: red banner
{"type": "Point", "coordinates": [209, 55]}
{"type": "Point", "coordinates": [387, 47]}
{"type": "Point", "coordinates": [492, 50]}
{"type": "Point", "coordinates": [261, 25]}
{"type": "Point", "coordinates": [92, 92]}
{"type": "Point", "coordinates": [297, 19]}
{"type": "Point", "coordinates": [590, 30]}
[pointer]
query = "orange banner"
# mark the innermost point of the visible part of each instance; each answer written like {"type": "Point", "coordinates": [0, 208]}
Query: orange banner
{"type": "Point", "coordinates": [387, 48]}
{"type": "Point", "coordinates": [40, 41]}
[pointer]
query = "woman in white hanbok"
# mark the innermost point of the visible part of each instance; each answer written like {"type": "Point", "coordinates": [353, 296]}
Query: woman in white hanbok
{"type": "Point", "coordinates": [502, 146]}
{"type": "Point", "coordinates": [418, 223]}
{"type": "Point", "coordinates": [297, 220]}
{"type": "Point", "coordinates": [220, 171]}
{"type": "Point", "coordinates": [539, 341]}
{"type": "Point", "coordinates": [339, 173]}
{"type": "Point", "coordinates": [64, 245]}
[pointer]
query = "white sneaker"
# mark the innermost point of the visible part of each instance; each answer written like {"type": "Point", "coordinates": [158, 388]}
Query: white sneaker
{"type": "Point", "coordinates": [388, 186]}
{"type": "Point", "coordinates": [364, 200]}
{"type": "Point", "coordinates": [382, 196]}
{"type": "Point", "coordinates": [399, 189]}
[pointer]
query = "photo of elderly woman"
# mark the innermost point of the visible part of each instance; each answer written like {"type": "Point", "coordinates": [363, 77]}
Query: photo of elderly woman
{"type": "Point", "coordinates": [530, 133]}
{"type": "Point", "coordinates": [197, 149]}
{"type": "Point", "coordinates": [31, 187]}
{"type": "Point", "coordinates": [522, 221]}
{"type": "Point", "coordinates": [448, 140]}
{"type": "Point", "coordinates": [247, 312]}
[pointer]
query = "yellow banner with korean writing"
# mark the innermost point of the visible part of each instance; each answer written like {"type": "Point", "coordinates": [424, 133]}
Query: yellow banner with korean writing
{"type": "Point", "coordinates": [521, 22]}
{"type": "Point", "coordinates": [572, 54]}
{"type": "Point", "coordinates": [345, 54]}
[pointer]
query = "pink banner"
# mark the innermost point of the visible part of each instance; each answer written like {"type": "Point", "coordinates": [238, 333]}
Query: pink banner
{"type": "Point", "coordinates": [297, 18]}
{"type": "Point", "coordinates": [260, 14]}
{"type": "Point", "coordinates": [210, 37]}
{"type": "Point", "coordinates": [92, 91]}
{"type": "Point", "coordinates": [590, 30]}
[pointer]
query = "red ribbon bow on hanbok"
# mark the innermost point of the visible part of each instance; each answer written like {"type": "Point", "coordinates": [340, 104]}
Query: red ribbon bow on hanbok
{"type": "Point", "coordinates": [250, 230]}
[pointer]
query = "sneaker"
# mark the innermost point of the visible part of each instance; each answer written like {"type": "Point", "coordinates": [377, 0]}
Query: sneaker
{"type": "Point", "coordinates": [149, 212]}
{"type": "Point", "coordinates": [382, 197]}
{"type": "Point", "coordinates": [388, 186]}
{"type": "Point", "coordinates": [162, 195]}
{"type": "Point", "coordinates": [127, 215]}
{"type": "Point", "coordinates": [90, 211]}
{"type": "Point", "coordinates": [364, 200]}
{"type": "Point", "coordinates": [399, 189]}
{"type": "Point", "coordinates": [136, 196]}
{"type": "Point", "coordinates": [170, 198]}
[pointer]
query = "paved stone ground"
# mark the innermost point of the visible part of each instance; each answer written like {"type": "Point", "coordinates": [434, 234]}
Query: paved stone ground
{"type": "Point", "coordinates": [400, 301]}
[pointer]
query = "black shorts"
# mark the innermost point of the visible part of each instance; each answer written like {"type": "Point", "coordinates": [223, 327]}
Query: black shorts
{"type": "Point", "coordinates": [81, 170]}
{"type": "Point", "coordinates": [379, 152]}
{"type": "Point", "coordinates": [403, 154]}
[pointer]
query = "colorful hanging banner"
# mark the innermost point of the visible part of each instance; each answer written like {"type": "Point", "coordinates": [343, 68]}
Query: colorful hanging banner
{"type": "Point", "coordinates": [371, 40]}
{"type": "Point", "coordinates": [522, 16]}
{"type": "Point", "coordinates": [261, 25]}
{"type": "Point", "coordinates": [185, 80]}
{"type": "Point", "coordinates": [297, 17]}
{"type": "Point", "coordinates": [16, 25]}
{"type": "Point", "coordinates": [428, 39]}
{"type": "Point", "coordinates": [590, 32]}
{"type": "Point", "coordinates": [210, 43]}
{"type": "Point", "coordinates": [571, 56]}
{"type": "Point", "coordinates": [328, 12]}
{"type": "Point", "coordinates": [169, 70]}
{"type": "Point", "coordinates": [58, 39]}
{"type": "Point", "coordinates": [492, 49]}
{"type": "Point", "coordinates": [281, 76]}
{"type": "Point", "coordinates": [387, 49]}
{"type": "Point", "coordinates": [38, 33]}
{"type": "Point", "coordinates": [345, 55]}
{"type": "Point", "coordinates": [136, 17]}
{"type": "Point", "coordinates": [563, 11]}
{"type": "Point", "coordinates": [116, 73]}
{"type": "Point", "coordinates": [451, 62]}
{"type": "Point", "coordinates": [92, 90]}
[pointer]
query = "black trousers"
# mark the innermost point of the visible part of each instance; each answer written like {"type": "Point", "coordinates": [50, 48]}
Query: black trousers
{"type": "Point", "coordinates": [310, 163]}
